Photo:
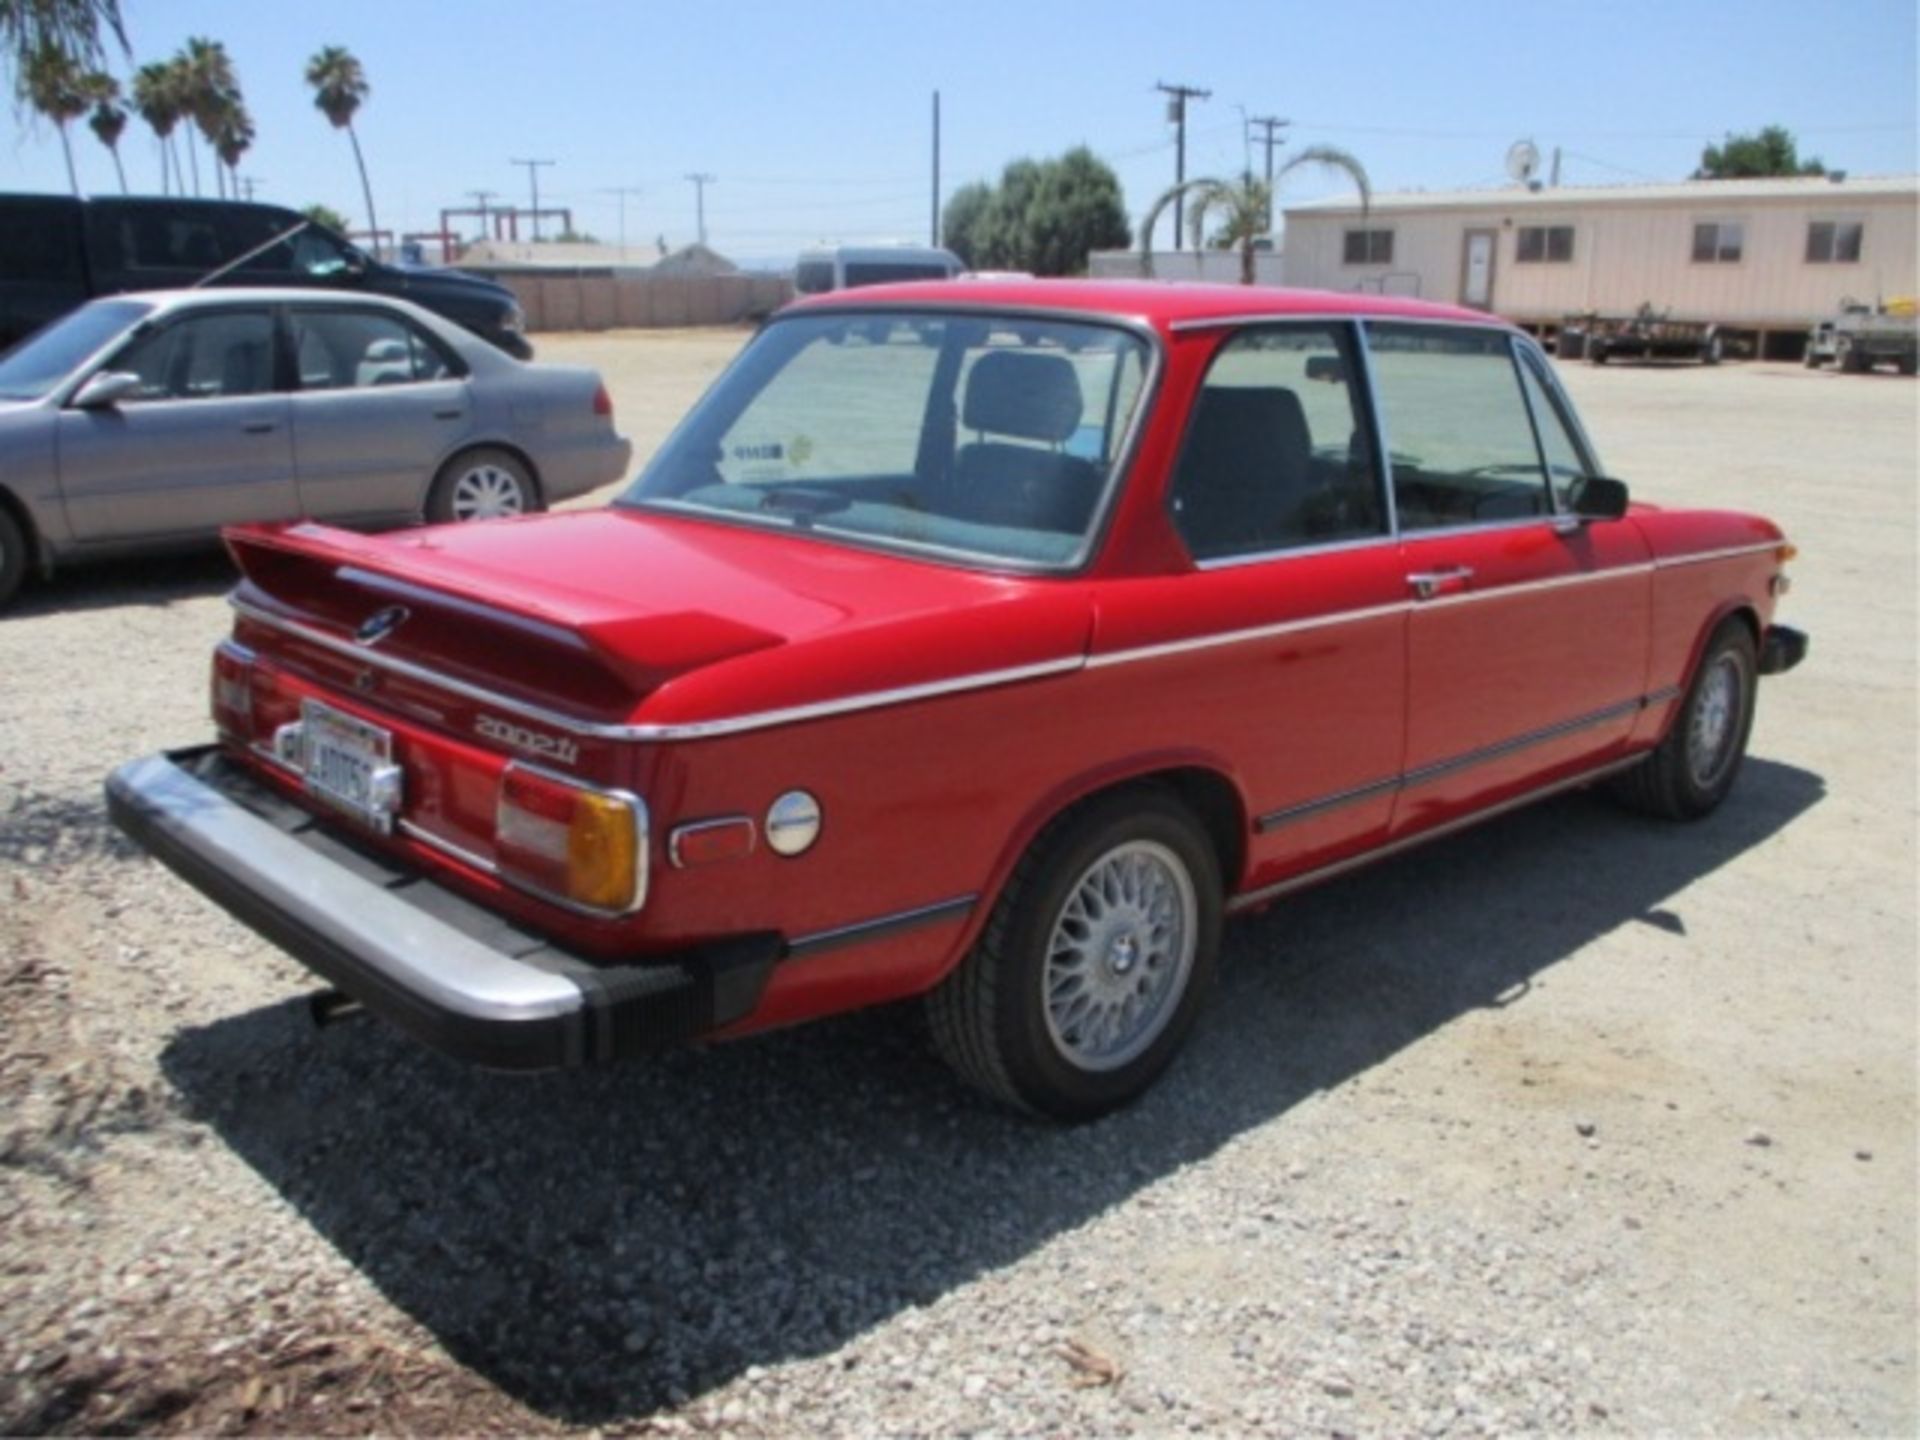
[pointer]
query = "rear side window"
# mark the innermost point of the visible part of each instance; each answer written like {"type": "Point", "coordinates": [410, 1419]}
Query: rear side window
{"type": "Point", "coordinates": [1457, 425]}
{"type": "Point", "coordinates": [165, 237]}
{"type": "Point", "coordinates": [1277, 455]}
{"type": "Point", "coordinates": [39, 240]}
{"type": "Point", "coordinates": [892, 273]}
{"type": "Point", "coordinates": [358, 349]}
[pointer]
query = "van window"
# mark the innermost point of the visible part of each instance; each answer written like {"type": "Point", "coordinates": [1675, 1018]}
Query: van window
{"type": "Point", "coordinates": [39, 240]}
{"type": "Point", "coordinates": [893, 272]}
{"type": "Point", "coordinates": [167, 237]}
{"type": "Point", "coordinates": [813, 277]}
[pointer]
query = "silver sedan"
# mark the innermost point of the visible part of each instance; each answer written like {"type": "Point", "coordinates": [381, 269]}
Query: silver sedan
{"type": "Point", "coordinates": [147, 421]}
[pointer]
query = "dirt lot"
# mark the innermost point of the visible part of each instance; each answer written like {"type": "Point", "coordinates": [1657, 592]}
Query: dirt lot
{"type": "Point", "coordinates": [1578, 1122]}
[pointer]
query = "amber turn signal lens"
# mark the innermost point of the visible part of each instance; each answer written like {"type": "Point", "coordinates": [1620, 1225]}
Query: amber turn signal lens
{"type": "Point", "coordinates": [1784, 552]}
{"type": "Point", "coordinates": [570, 842]}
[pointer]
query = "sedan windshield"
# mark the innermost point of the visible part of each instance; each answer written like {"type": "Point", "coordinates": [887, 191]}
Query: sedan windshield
{"type": "Point", "coordinates": [31, 369]}
{"type": "Point", "coordinates": [985, 438]}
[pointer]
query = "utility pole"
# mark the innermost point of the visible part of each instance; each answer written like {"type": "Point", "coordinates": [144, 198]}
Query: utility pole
{"type": "Point", "coordinates": [1270, 123]}
{"type": "Point", "coordinates": [701, 180]}
{"type": "Point", "coordinates": [934, 239]}
{"type": "Point", "coordinates": [480, 198]}
{"type": "Point", "coordinates": [623, 191]}
{"type": "Point", "coordinates": [1177, 113]}
{"type": "Point", "coordinates": [250, 183]}
{"type": "Point", "coordinates": [533, 178]}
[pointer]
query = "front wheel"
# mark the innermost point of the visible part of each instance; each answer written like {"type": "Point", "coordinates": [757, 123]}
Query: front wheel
{"type": "Point", "coordinates": [14, 557]}
{"type": "Point", "coordinates": [1692, 770]}
{"type": "Point", "coordinates": [1093, 965]}
{"type": "Point", "coordinates": [482, 484]}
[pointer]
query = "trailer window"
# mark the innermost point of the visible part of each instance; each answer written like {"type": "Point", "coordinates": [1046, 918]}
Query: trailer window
{"type": "Point", "coordinates": [1549, 244]}
{"type": "Point", "coordinates": [1368, 247]}
{"type": "Point", "coordinates": [1718, 242]}
{"type": "Point", "coordinates": [1834, 242]}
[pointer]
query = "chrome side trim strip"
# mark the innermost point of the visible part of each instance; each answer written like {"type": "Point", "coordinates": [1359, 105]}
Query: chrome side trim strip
{"type": "Point", "coordinates": [691, 730]}
{"type": "Point", "coordinates": [804, 945]}
{"type": "Point", "coordinates": [1274, 819]}
{"type": "Point", "coordinates": [447, 847]}
{"type": "Point", "coordinates": [1667, 562]}
{"type": "Point", "coordinates": [1291, 552]}
{"type": "Point", "coordinates": [1344, 317]}
{"type": "Point", "coordinates": [1250, 898]}
{"type": "Point", "coordinates": [1557, 582]}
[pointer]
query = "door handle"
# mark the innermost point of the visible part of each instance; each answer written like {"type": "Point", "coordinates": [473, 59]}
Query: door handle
{"type": "Point", "coordinates": [1431, 584]}
{"type": "Point", "coordinates": [261, 427]}
{"type": "Point", "coordinates": [448, 414]}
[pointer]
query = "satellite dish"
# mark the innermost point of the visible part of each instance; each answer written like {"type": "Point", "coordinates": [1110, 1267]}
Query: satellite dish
{"type": "Point", "coordinates": [1523, 161]}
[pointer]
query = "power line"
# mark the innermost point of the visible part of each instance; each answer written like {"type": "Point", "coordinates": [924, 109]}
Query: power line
{"type": "Point", "coordinates": [1177, 112]}
{"type": "Point", "coordinates": [1271, 124]}
{"type": "Point", "coordinates": [533, 177]}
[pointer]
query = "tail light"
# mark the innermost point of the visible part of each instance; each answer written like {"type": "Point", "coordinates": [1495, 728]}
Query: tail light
{"type": "Point", "coordinates": [603, 402]}
{"type": "Point", "coordinates": [232, 690]}
{"type": "Point", "coordinates": [583, 847]}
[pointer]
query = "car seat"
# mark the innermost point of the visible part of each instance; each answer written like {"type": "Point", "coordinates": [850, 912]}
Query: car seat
{"type": "Point", "coordinates": [1246, 478]}
{"type": "Point", "coordinates": [1028, 398]}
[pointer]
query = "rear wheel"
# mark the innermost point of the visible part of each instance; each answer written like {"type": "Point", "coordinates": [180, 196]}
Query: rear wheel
{"type": "Point", "coordinates": [15, 557]}
{"type": "Point", "coordinates": [1714, 352]}
{"type": "Point", "coordinates": [1695, 766]}
{"type": "Point", "coordinates": [1094, 962]}
{"type": "Point", "coordinates": [482, 484]}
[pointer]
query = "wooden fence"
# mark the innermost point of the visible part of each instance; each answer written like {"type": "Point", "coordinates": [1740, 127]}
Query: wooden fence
{"type": "Point", "coordinates": [587, 300]}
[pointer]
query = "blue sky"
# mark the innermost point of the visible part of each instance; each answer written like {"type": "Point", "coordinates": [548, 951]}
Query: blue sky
{"type": "Point", "coordinates": [814, 116]}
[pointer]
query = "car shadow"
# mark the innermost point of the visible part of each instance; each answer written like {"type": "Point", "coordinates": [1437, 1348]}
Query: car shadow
{"type": "Point", "coordinates": [600, 1243]}
{"type": "Point", "coordinates": [138, 580]}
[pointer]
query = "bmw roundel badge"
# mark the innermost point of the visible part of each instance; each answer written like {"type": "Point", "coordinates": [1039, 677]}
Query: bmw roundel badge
{"type": "Point", "coordinates": [382, 623]}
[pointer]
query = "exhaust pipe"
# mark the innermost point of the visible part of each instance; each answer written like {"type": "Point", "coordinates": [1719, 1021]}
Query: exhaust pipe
{"type": "Point", "coordinates": [330, 1007]}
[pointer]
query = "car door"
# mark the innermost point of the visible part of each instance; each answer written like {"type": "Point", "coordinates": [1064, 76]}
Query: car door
{"type": "Point", "coordinates": [202, 442]}
{"type": "Point", "coordinates": [1282, 654]}
{"type": "Point", "coordinates": [1528, 632]}
{"type": "Point", "coordinates": [378, 405]}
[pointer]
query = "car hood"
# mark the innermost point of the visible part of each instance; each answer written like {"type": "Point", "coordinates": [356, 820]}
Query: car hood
{"type": "Point", "coordinates": [663, 620]}
{"type": "Point", "coordinates": [427, 286]}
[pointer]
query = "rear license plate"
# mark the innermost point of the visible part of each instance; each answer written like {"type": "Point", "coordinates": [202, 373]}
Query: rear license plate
{"type": "Point", "coordinates": [349, 764]}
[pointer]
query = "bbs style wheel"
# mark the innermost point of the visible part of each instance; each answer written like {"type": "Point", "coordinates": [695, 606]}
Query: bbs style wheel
{"type": "Point", "coordinates": [1094, 963]}
{"type": "Point", "coordinates": [482, 484]}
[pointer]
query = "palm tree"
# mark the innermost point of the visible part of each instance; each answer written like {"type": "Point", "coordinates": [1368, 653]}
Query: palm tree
{"type": "Point", "coordinates": [71, 27]}
{"type": "Point", "coordinates": [50, 83]}
{"type": "Point", "coordinates": [156, 97]}
{"type": "Point", "coordinates": [109, 118]}
{"type": "Point", "coordinates": [339, 88]}
{"type": "Point", "coordinates": [185, 85]}
{"type": "Point", "coordinates": [1247, 204]}
{"type": "Point", "coordinates": [234, 139]}
{"type": "Point", "coordinates": [212, 90]}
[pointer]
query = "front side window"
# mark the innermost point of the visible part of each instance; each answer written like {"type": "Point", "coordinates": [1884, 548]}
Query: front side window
{"type": "Point", "coordinates": [975, 437]}
{"type": "Point", "coordinates": [1458, 429]}
{"type": "Point", "coordinates": [1276, 454]}
{"type": "Point", "coordinates": [1544, 244]}
{"type": "Point", "coordinates": [311, 253]}
{"type": "Point", "coordinates": [1834, 242]}
{"type": "Point", "coordinates": [1368, 247]}
{"type": "Point", "coordinates": [355, 349]}
{"type": "Point", "coordinates": [1718, 242]}
{"type": "Point", "coordinates": [204, 357]}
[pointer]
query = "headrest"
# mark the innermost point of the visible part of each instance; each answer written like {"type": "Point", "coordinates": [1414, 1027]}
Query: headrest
{"type": "Point", "coordinates": [1036, 397]}
{"type": "Point", "coordinates": [1251, 421]}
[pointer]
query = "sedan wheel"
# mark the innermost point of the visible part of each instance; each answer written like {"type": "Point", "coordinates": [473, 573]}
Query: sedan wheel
{"type": "Point", "coordinates": [1691, 771]}
{"type": "Point", "coordinates": [482, 485]}
{"type": "Point", "coordinates": [1093, 964]}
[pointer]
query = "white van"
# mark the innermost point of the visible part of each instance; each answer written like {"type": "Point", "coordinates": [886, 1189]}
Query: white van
{"type": "Point", "coordinates": [845, 267]}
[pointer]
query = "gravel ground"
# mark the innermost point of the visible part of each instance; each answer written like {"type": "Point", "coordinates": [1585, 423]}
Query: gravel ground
{"type": "Point", "coordinates": [1575, 1123]}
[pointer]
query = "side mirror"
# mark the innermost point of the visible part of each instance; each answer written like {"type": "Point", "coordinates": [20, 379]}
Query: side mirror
{"type": "Point", "coordinates": [1599, 498]}
{"type": "Point", "coordinates": [105, 390]}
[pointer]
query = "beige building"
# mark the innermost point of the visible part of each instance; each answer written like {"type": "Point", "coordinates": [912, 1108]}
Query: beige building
{"type": "Point", "coordinates": [1763, 256]}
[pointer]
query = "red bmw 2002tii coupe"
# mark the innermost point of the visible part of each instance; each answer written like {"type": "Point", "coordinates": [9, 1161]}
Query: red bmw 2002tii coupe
{"type": "Point", "coordinates": [982, 641]}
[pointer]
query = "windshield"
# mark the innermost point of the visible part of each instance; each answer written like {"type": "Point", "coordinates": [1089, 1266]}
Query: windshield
{"type": "Point", "coordinates": [31, 369]}
{"type": "Point", "coordinates": [985, 438]}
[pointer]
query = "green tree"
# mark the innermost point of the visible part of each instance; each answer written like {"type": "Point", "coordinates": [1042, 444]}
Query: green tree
{"type": "Point", "coordinates": [70, 28]}
{"type": "Point", "coordinates": [156, 96]}
{"type": "Point", "coordinates": [1242, 206]}
{"type": "Point", "coordinates": [51, 84]}
{"type": "Point", "coordinates": [1045, 216]}
{"type": "Point", "coordinates": [109, 118]}
{"type": "Point", "coordinates": [1771, 151]}
{"type": "Point", "coordinates": [327, 216]}
{"type": "Point", "coordinates": [339, 89]}
{"type": "Point", "coordinates": [960, 223]}
{"type": "Point", "coordinates": [232, 138]}
{"type": "Point", "coordinates": [212, 93]}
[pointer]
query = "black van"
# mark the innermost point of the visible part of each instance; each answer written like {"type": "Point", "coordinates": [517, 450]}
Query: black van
{"type": "Point", "coordinates": [56, 253]}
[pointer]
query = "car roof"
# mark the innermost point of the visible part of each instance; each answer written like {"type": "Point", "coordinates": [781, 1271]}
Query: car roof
{"type": "Point", "coordinates": [262, 295]}
{"type": "Point", "coordinates": [1164, 305]}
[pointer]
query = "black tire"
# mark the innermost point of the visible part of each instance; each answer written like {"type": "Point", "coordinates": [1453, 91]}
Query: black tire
{"type": "Point", "coordinates": [990, 1018]}
{"type": "Point", "coordinates": [483, 483]}
{"type": "Point", "coordinates": [1596, 354]}
{"type": "Point", "coordinates": [1909, 365]}
{"type": "Point", "coordinates": [1692, 770]}
{"type": "Point", "coordinates": [16, 557]}
{"type": "Point", "coordinates": [1853, 361]}
{"type": "Point", "coordinates": [1713, 352]}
